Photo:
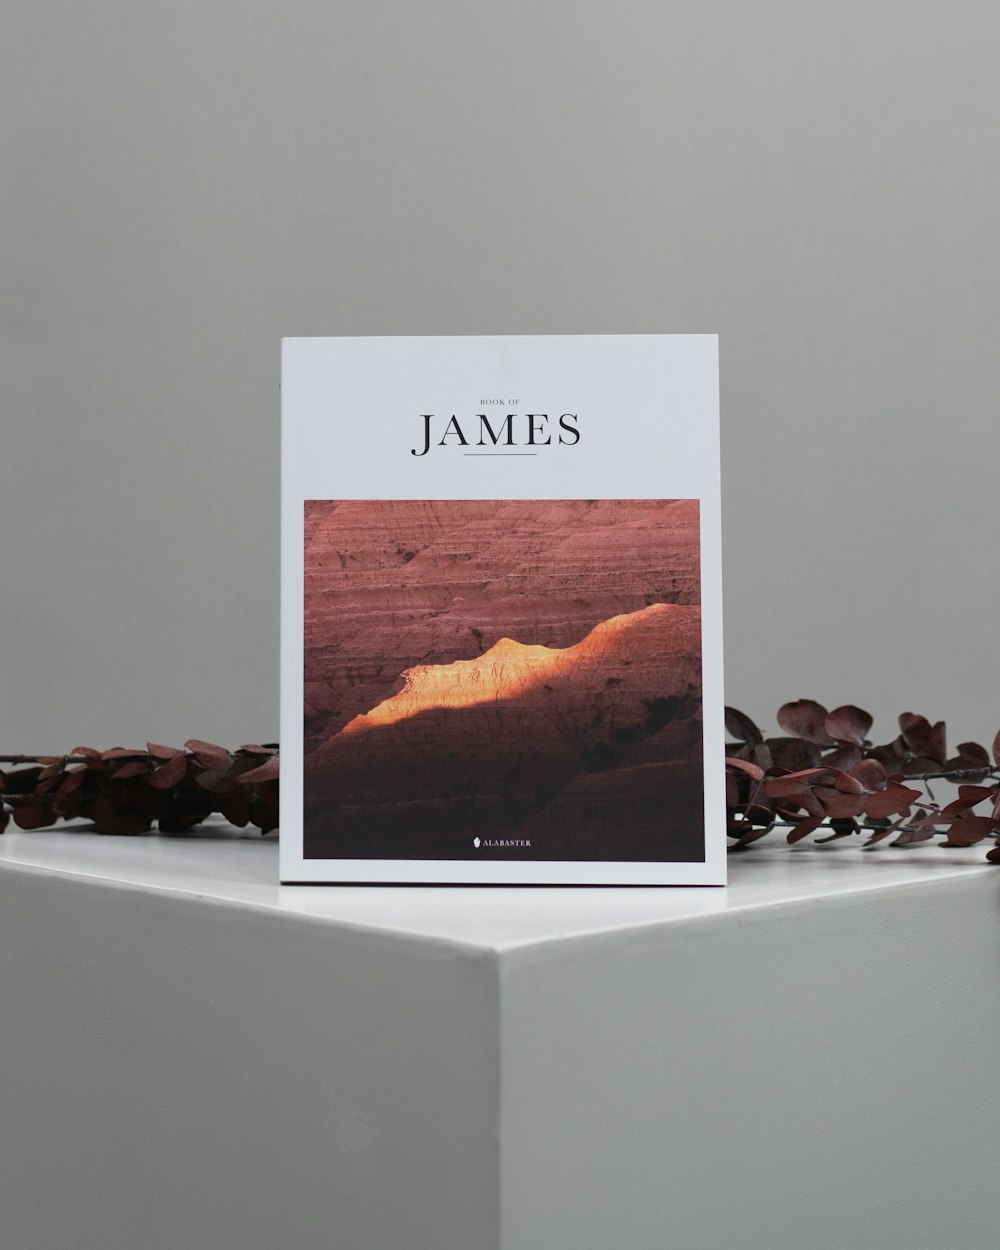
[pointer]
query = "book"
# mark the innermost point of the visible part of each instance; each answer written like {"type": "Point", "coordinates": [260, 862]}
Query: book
{"type": "Point", "coordinates": [501, 611]}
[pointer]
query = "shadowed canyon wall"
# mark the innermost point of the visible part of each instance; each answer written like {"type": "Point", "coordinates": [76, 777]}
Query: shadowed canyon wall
{"type": "Point", "coordinates": [590, 751]}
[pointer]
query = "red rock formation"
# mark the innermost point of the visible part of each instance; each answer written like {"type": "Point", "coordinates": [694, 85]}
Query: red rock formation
{"type": "Point", "coordinates": [590, 751]}
{"type": "Point", "coordinates": [392, 585]}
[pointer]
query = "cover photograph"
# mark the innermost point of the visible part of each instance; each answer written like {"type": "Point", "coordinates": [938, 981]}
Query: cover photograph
{"type": "Point", "coordinates": [501, 611]}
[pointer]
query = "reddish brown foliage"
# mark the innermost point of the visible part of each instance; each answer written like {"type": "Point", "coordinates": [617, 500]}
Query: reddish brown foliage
{"type": "Point", "coordinates": [127, 791]}
{"type": "Point", "coordinates": [856, 786]}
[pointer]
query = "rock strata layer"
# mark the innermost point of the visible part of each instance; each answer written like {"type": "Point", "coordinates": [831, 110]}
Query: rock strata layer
{"type": "Point", "coordinates": [393, 585]}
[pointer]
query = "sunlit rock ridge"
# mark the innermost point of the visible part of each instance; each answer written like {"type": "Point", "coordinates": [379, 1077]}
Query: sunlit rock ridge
{"type": "Point", "coordinates": [511, 670]}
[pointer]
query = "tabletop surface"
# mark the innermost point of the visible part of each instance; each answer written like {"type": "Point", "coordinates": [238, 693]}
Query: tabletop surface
{"type": "Point", "coordinates": [236, 867]}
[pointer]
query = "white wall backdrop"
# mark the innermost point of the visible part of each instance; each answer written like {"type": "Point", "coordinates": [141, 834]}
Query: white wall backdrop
{"type": "Point", "coordinates": [186, 182]}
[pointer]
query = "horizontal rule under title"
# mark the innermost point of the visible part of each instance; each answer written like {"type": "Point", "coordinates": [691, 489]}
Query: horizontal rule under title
{"type": "Point", "coordinates": [528, 429]}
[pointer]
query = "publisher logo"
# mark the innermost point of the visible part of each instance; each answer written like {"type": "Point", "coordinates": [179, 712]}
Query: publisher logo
{"type": "Point", "coordinates": [501, 841]}
{"type": "Point", "coordinates": [475, 842]}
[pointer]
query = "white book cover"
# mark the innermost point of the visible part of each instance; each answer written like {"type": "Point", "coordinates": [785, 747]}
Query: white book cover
{"type": "Point", "coordinates": [501, 651]}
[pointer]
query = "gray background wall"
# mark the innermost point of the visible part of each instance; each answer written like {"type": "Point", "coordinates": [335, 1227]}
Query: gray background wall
{"type": "Point", "coordinates": [185, 183]}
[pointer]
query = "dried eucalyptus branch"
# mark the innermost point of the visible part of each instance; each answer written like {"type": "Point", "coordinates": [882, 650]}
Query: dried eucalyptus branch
{"type": "Point", "coordinates": [827, 775]}
{"type": "Point", "coordinates": [125, 791]}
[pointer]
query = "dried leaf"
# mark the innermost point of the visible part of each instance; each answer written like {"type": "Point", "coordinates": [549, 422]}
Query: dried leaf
{"type": "Point", "coordinates": [791, 785]}
{"type": "Point", "coordinates": [848, 724]}
{"type": "Point", "coordinates": [847, 784]}
{"type": "Point", "coordinates": [846, 757]}
{"type": "Point", "coordinates": [750, 834]}
{"type": "Point", "coordinates": [968, 797]}
{"type": "Point", "coordinates": [73, 778]}
{"type": "Point", "coordinates": [752, 770]}
{"type": "Point", "coordinates": [742, 728]}
{"type": "Point", "coordinates": [923, 738]}
{"type": "Point", "coordinates": [877, 835]}
{"type": "Point", "coordinates": [972, 759]}
{"type": "Point", "coordinates": [264, 807]}
{"type": "Point", "coordinates": [215, 780]}
{"type": "Point", "coordinates": [22, 780]}
{"type": "Point", "coordinates": [969, 830]}
{"type": "Point", "coordinates": [910, 834]}
{"type": "Point", "coordinates": [805, 718]}
{"type": "Point", "coordinates": [794, 753]}
{"type": "Point", "coordinates": [268, 771]}
{"type": "Point", "coordinates": [759, 814]}
{"type": "Point", "coordinates": [171, 773]}
{"type": "Point", "coordinates": [840, 805]}
{"type": "Point", "coordinates": [104, 810]}
{"type": "Point", "coordinates": [159, 752]}
{"type": "Point", "coordinates": [760, 754]}
{"type": "Point", "coordinates": [803, 829]}
{"type": "Point", "coordinates": [34, 816]}
{"type": "Point", "coordinates": [893, 755]}
{"type": "Point", "coordinates": [977, 754]}
{"type": "Point", "coordinates": [48, 779]}
{"type": "Point", "coordinates": [792, 806]}
{"type": "Point", "coordinates": [235, 806]}
{"type": "Point", "coordinates": [871, 775]}
{"type": "Point", "coordinates": [890, 801]}
{"type": "Point", "coordinates": [208, 754]}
